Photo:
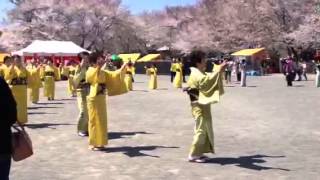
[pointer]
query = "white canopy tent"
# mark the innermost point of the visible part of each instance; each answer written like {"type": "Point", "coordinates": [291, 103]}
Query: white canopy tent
{"type": "Point", "coordinates": [49, 48]}
{"type": "Point", "coordinates": [164, 48]}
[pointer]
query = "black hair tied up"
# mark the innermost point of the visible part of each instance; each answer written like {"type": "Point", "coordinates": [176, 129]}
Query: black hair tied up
{"type": "Point", "coordinates": [84, 53]}
{"type": "Point", "coordinates": [16, 57]}
{"type": "Point", "coordinates": [196, 56]}
{"type": "Point", "coordinates": [6, 58]}
{"type": "Point", "coordinates": [94, 57]}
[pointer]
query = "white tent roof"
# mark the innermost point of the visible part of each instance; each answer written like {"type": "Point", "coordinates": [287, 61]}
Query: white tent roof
{"type": "Point", "coordinates": [58, 48]}
{"type": "Point", "coordinates": [164, 48]}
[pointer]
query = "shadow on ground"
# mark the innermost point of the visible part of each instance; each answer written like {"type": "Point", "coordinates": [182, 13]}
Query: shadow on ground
{"type": "Point", "coordinates": [162, 89]}
{"type": "Point", "coordinates": [43, 107]}
{"type": "Point", "coordinates": [38, 113]}
{"type": "Point", "coordinates": [46, 125]}
{"type": "Point", "coordinates": [69, 99]}
{"type": "Point", "coordinates": [119, 135]}
{"type": "Point", "coordinates": [50, 103]}
{"type": "Point", "coordinates": [248, 162]}
{"type": "Point", "coordinates": [140, 90]}
{"type": "Point", "coordinates": [136, 151]}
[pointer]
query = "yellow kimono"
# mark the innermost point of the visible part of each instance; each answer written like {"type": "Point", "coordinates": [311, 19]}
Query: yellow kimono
{"type": "Point", "coordinates": [1, 71]}
{"type": "Point", "coordinates": [63, 72]}
{"type": "Point", "coordinates": [82, 88]}
{"type": "Point", "coordinates": [216, 67]}
{"type": "Point", "coordinates": [50, 75]}
{"type": "Point", "coordinates": [210, 87]}
{"type": "Point", "coordinates": [18, 79]}
{"type": "Point", "coordinates": [128, 78]}
{"type": "Point", "coordinates": [3, 67]}
{"type": "Point", "coordinates": [177, 82]}
{"type": "Point", "coordinates": [173, 67]}
{"type": "Point", "coordinates": [152, 72]}
{"type": "Point", "coordinates": [101, 81]}
{"type": "Point", "coordinates": [35, 85]}
{"type": "Point", "coordinates": [70, 74]}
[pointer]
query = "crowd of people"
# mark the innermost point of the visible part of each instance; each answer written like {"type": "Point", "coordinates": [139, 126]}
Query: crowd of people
{"type": "Point", "coordinates": [96, 76]}
{"type": "Point", "coordinates": [296, 71]}
{"type": "Point", "coordinates": [238, 67]}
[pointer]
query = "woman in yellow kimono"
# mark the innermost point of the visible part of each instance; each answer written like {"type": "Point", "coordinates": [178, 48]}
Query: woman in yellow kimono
{"type": "Point", "coordinates": [82, 89]}
{"type": "Point", "coordinates": [61, 70]}
{"type": "Point", "coordinates": [172, 70]}
{"type": "Point", "coordinates": [18, 77]}
{"type": "Point", "coordinates": [101, 81]}
{"type": "Point", "coordinates": [71, 70]}
{"type": "Point", "coordinates": [177, 82]}
{"type": "Point", "coordinates": [129, 75]}
{"type": "Point", "coordinates": [35, 85]}
{"type": "Point", "coordinates": [204, 89]}
{"type": "Point", "coordinates": [50, 75]}
{"type": "Point", "coordinates": [7, 62]}
{"type": "Point", "coordinates": [152, 72]}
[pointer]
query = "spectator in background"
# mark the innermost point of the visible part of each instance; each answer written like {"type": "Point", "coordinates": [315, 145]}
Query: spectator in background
{"type": "Point", "coordinates": [304, 70]}
{"type": "Point", "coordinates": [8, 113]}
{"type": "Point", "coordinates": [243, 70]}
{"type": "Point", "coordinates": [289, 70]}
{"type": "Point", "coordinates": [228, 71]}
{"type": "Point", "coordinates": [264, 65]}
{"type": "Point", "coordinates": [317, 66]}
{"type": "Point", "coordinates": [237, 70]}
{"type": "Point", "coordinates": [298, 69]}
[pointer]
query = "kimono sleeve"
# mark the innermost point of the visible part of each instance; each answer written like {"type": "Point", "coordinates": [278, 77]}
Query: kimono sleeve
{"type": "Point", "coordinates": [115, 82]}
{"type": "Point", "coordinates": [92, 79]}
{"type": "Point", "coordinates": [9, 74]}
{"type": "Point", "coordinates": [173, 67]}
{"type": "Point", "coordinates": [1, 72]}
{"type": "Point", "coordinates": [42, 72]}
{"type": "Point", "coordinates": [210, 87]}
{"type": "Point", "coordinates": [78, 77]}
{"type": "Point", "coordinates": [65, 71]}
{"type": "Point", "coordinates": [133, 70]}
{"type": "Point", "coordinates": [30, 77]}
{"type": "Point", "coordinates": [56, 74]}
{"type": "Point", "coordinates": [91, 75]}
{"type": "Point", "coordinates": [148, 71]}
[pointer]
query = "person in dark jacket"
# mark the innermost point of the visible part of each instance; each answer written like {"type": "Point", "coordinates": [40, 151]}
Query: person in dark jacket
{"type": "Point", "coordinates": [289, 71]}
{"type": "Point", "coordinates": [8, 112]}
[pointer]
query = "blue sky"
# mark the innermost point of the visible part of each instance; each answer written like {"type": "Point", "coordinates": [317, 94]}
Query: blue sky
{"type": "Point", "coordinates": [136, 6]}
{"type": "Point", "coordinates": [5, 5]}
